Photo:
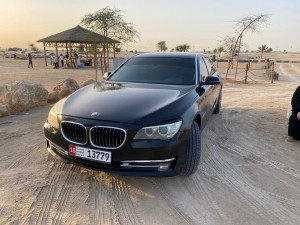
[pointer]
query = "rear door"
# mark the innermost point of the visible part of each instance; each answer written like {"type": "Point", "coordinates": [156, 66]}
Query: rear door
{"type": "Point", "coordinates": [215, 89]}
{"type": "Point", "coordinates": [204, 104]}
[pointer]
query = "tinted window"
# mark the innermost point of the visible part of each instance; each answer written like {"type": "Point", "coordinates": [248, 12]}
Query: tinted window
{"type": "Point", "coordinates": [203, 69]}
{"type": "Point", "coordinates": [159, 70]}
{"type": "Point", "coordinates": [210, 66]}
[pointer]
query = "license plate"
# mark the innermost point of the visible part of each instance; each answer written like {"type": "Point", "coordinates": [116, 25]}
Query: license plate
{"type": "Point", "coordinates": [91, 154]}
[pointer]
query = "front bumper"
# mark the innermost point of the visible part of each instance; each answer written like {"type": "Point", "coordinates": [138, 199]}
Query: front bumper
{"type": "Point", "coordinates": [139, 158]}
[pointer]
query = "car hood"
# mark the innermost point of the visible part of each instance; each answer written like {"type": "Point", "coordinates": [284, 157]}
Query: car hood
{"type": "Point", "coordinates": [141, 104]}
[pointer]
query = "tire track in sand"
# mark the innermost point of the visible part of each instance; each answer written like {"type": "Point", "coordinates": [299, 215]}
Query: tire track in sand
{"type": "Point", "coordinates": [163, 193]}
{"type": "Point", "coordinates": [51, 200]}
{"type": "Point", "coordinates": [64, 194]}
{"type": "Point", "coordinates": [110, 200]}
{"type": "Point", "coordinates": [101, 205]}
{"type": "Point", "coordinates": [257, 198]}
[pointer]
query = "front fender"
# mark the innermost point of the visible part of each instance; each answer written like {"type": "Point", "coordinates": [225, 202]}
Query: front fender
{"type": "Point", "coordinates": [190, 115]}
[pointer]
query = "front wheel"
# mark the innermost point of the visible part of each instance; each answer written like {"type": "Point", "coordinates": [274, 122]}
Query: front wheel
{"type": "Point", "coordinates": [193, 153]}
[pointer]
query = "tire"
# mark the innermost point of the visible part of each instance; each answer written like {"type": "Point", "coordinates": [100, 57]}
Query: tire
{"type": "Point", "coordinates": [193, 153]}
{"type": "Point", "coordinates": [218, 106]}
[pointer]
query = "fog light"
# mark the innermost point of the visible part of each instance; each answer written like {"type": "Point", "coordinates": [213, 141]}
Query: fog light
{"type": "Point", "coordinates": [49, 148]}
{"type": "Point", "coordinates": [164, 166]}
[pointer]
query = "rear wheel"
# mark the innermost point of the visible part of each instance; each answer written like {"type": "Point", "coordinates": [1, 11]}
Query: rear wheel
{"type": "Point", "coordinates": [193, 153]}
{"type": "Point", "coordinates": [218, 106]}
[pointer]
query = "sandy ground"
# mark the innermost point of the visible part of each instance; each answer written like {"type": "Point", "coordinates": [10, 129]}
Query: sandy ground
{"type": "Point", "coordinates": [248, 173]}
{"type": "Point", "coordinates": [12, 70]}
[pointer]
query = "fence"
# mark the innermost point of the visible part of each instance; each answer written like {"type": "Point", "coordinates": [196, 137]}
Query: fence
{"type": "Point", "coordinates": [248, 72]}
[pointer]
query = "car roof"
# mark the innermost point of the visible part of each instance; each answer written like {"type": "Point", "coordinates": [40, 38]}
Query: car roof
{"type": "Point", "coordinates": [169, 54]}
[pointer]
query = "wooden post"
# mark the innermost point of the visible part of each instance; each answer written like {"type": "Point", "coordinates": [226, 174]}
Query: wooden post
{"type": "Point", "coordinates": [217, 63]}
{"type": "Point", "coordinates": [114, 46]}
{"type": "Point", "coordinates": [95, 56]}
{"type": "Point", "coordinates": [87, 53]}
{"type": "Point", "coordinates": [45, 56]}
{"type": "Point", "coordinates": [246, 73]}
{"type": "Point", "coordinates": [228, 67]}
{"type": "Point", "coordinates": [67, 48]}
{"type": "Point", "coordinates": [272, 73]}
{"type": "Point", "coordinates": [57, 54]}
{"type": "Point", "coordinates": [107, 54]}
{"type": "Point", "coordinates": [104, 58]}
{"type": "Point", "coordinates": [71, 57]}
{"type": "Point", "coordinates": [96, 62]}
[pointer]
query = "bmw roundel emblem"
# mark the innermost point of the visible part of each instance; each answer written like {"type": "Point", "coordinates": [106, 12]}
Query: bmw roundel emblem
{"type": "Point", "coordinates": [95, 114]}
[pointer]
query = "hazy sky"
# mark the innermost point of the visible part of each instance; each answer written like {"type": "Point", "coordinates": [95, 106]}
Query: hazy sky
{"type": "Point", "coordinates": [196, 22]}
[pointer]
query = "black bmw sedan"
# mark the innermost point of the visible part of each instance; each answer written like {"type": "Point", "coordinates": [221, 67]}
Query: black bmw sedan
{"type": "Point", "coordinates": [145, 119]}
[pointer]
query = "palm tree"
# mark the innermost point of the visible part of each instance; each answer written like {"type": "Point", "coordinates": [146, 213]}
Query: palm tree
{"type": "Point", "coordinates": [262, 49]}
{"type": "Point", "coordinates": [183, 48]}
{"type": "Point", "coordinates": [162, 46]}
{"type": "Point", "coordinates": [33, 48]}
{"type": "Point", "coordinates": [269, 50]}
{"type": "Point", "coordinates": [220, 50]}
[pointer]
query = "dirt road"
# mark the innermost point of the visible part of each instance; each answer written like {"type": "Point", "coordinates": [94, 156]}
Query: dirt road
{"type": "Point", "coordinates": [248, 173]}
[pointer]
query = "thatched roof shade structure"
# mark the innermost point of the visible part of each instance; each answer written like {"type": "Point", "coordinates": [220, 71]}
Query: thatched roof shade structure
{"type": "Point", "coordinates": [77, 37]}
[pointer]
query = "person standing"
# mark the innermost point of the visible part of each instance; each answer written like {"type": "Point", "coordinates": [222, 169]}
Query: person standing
{"type": "Point", "coordinates": [55, 61]}
{"type": "Point", "coordinates": [51, 59]}
{"type": "Point", "coordinates": [75, 59]}
{"type": "Point", "coordinates": [294, 121]}
{"type": "Point", "coordinates": [67, 60]}
{"type": "Point", "coordinates": [30, 60]}
{"type": "Point", "coordinates": [61, 60]}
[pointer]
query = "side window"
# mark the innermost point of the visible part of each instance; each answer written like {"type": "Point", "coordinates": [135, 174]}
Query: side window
{"type": "Point", "coordinates": [210, 66]}
{"type": "Point", "coordinates": [214, 69]}
{"type": "Point", "coordinates": [203, 70]}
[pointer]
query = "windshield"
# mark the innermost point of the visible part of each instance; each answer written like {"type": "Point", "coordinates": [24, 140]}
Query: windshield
{"type": "Point", "coordinates": [158, 70]}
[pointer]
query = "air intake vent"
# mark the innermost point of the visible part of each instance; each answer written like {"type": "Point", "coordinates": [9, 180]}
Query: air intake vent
{"type": "Point", "coordinates": [107, 137]}
{"type": "Point", "coordinates": [74, 132]}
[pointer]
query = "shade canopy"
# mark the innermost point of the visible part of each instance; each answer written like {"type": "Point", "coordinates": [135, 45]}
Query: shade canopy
{"type": "Point", "coordinates": [79, 37]}
{"type": "Point", "coordinates": [77, 34]}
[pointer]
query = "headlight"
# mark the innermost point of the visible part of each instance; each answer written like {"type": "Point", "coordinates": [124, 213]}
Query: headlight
{"type": "Point", "coordinates": [161, 132]}
{"type": "Point", "coordinates": [52, 118]}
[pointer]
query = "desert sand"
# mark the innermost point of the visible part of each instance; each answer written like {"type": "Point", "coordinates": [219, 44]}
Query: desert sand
{"type": "Point", "coordinates": [248, 173]}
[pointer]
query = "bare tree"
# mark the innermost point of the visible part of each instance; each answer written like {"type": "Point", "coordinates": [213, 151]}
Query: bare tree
{"type": "Point", "coordinates": [228, 43]}
{"type": "Point", "coordinates": [251, 23]}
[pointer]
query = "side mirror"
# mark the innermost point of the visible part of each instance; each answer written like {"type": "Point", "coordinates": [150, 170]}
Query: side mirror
{"type": "Point", "coordinates": [211, 80]}
{"type": "Point", "coordinates": [106, 74]}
